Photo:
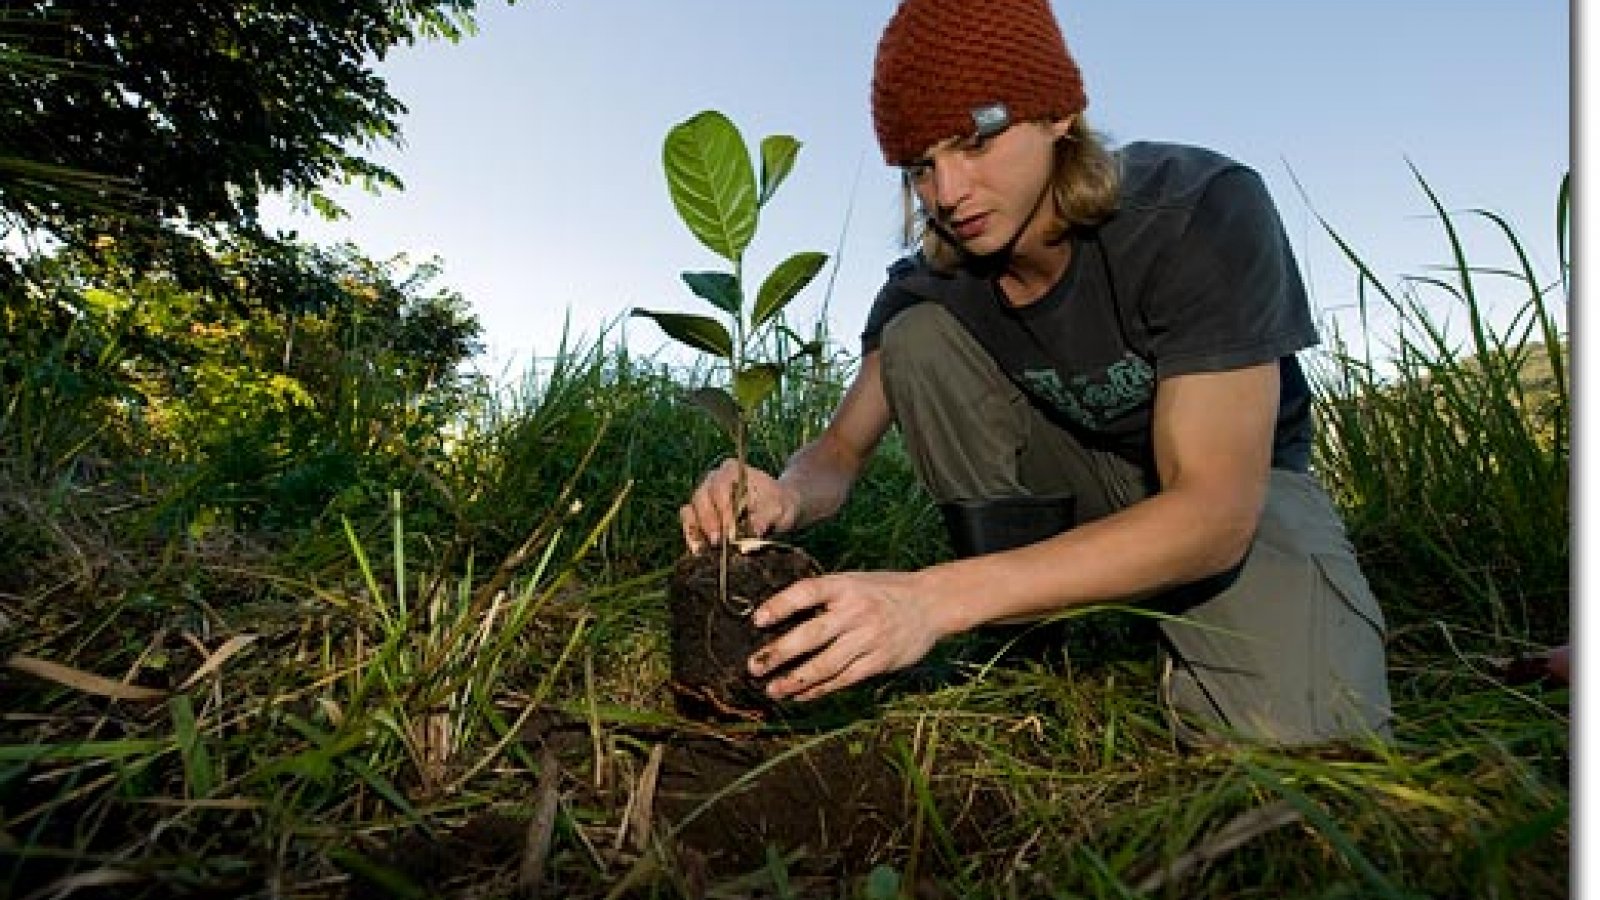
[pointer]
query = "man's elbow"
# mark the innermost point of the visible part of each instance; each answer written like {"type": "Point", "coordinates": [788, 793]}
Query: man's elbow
{"type": "Point", "coordinates": [1228, 541]}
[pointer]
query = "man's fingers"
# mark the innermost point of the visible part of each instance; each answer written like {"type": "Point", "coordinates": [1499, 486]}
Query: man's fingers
{"type": "Point", "coordinates": [858, 670]}
{"type": "Point", "coordinates": [771, 508]}
{"type": "Point", "coordinates": [825, 642]}
{"type": "Point", "coordinates": [796, 642]}
{"type": "Point", "coordinates": [700, 520]}
{"type": "Point", "coordinates": [725, 492]}
{"type": "Point", "coordinates": [711, 506]}
{"type": "Point", "coordinates": [692, 535]}
{"type": "Point", "coordinates": [839, 666]}
{"type": "Point", "coordinates": [716, 509]}
{"type": "Point", "coordinates": [803, 594]}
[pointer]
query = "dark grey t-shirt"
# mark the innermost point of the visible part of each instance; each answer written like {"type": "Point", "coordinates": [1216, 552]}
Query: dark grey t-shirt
{"type": "Point", "coordinates": [1192, 274]}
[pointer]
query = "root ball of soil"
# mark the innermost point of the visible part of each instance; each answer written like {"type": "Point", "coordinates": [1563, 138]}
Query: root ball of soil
{"type": "Point", "coordinates": [711, 596]}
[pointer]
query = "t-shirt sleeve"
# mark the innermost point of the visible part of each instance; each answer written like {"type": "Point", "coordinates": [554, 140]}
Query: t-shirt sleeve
{"type": "Point", "coordinates": [891, 300]}
{"type": "Point", "coordinates": [1228, 294]}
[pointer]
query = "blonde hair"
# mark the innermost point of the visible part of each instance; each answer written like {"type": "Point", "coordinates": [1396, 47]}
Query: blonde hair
{"type": "Point", "coordinates": [1085, 185]}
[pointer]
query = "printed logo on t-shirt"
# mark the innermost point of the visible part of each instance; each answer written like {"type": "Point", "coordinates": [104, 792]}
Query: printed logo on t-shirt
{"type": "Point", "coordinates": [1096, 401]}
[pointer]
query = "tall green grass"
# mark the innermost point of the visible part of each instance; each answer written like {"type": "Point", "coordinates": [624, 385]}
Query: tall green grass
{"type": "Point", "coordinates": [1449, 448]}
{"type": "Point", "coordinates": [515, 445]}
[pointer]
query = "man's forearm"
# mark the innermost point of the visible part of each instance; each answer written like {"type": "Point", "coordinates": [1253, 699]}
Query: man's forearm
{"type": "Point", "coordinates": [821, 477]}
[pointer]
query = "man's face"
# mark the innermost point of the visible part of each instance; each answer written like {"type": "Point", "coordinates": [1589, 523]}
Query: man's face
{"type": "Point", "coordinates": [983, 187]}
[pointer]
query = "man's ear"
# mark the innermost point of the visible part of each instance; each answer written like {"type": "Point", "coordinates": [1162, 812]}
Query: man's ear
{"type": "Point", "coordinates": [1060, 128]}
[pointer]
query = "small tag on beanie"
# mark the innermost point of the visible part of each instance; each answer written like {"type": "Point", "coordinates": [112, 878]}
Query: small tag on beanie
{"type": "Point", "coordinates": [991, 119]}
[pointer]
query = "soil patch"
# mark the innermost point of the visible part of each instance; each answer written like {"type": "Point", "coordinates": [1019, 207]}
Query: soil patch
{"type": "Point", "coordinates": [833, 803]}
{"type": "Point", "coordinates": [725, 802]}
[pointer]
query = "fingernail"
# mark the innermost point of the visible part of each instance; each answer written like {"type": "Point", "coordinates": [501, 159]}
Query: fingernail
{"type": "Point", "coordinates": [761, 618]}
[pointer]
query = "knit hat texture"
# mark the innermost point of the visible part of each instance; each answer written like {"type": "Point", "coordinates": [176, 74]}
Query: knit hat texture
{"type": "Point", "coordinates": [938, 60]}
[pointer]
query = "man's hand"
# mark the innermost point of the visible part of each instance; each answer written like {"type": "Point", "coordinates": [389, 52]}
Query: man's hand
{"type": "Point", "coordinates": [815, 481]}
{"type": "Point", "coordinates": [711, 515]}
{"type": "Point", "coordinates": [867, 623]}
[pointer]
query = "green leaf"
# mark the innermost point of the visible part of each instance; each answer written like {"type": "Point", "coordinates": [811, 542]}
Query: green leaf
{"type": "Point", "coordinates": [787, 280]}
{"type": "Point", "coordinates": [719, 404]}
{"type": "Point", "coordinates": [752, 385]}
{"type": "Point", "coordinates": [99, 750]}
{"type": "Point", "coordinates": [197, 767]}
{"type": "Point", "coordinates": [1563, 233]}
{"type": "Point", "coordinates": [712, 183]}
{"type": "Point", "coordinates": [383, 786]}
{"type": "Point", "coordinates": [315, 765]}
{"type": "Point", "coordinates": [325, 207]}
{"type": "Point", "coordinates": [391, 881]}
{"type": "Point", "coordinates": [778, 153]}
{"type": "Point", "coordinates": [721, 288]}
{"type": "Point", "coordinates": [883, 883]}
{"type": "Point", "coordinates": [699, 332]}
{"type": "Point", "coordinates": [778, 872]}
{"type": "Point", "coordinates": [812, 349]}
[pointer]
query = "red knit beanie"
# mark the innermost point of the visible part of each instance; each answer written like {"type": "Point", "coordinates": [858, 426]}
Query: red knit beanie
{"type": "Point", "coordinates": [939, 60]}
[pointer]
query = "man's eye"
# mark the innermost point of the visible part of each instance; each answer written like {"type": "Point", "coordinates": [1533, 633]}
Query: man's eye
{"type": "Point", "coordinates": [919, 171]}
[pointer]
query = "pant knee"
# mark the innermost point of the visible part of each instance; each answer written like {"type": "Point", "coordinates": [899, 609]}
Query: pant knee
{"type": "Point", "coordinates": [922, 338]}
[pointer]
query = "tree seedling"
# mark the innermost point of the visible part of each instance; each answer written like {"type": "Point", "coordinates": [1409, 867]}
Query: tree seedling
{"type": "Point", "coordinates": [714, 188]}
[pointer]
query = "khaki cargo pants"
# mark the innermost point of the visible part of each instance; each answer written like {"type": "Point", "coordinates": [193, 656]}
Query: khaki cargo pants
{"type": "Point", "coordinates": [1291, 653]}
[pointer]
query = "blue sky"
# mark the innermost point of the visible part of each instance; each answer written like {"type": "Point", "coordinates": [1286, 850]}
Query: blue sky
{"type": "Point", "coordinates": [532, 150]}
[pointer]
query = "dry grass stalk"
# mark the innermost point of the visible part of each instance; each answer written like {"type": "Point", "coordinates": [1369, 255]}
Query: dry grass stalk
{"type": "Point", "coordinates": [644, 799]}
{"type": "Point", "coordinates": [79, 680]}
{"type": "Point", "coordinates": [1240, 831]}
{"type": "Point", "coordinates": [536, 852]}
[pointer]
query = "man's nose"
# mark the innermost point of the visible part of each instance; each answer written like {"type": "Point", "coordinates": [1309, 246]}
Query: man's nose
{"type": "Point", "coordinates": [950, 183]}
